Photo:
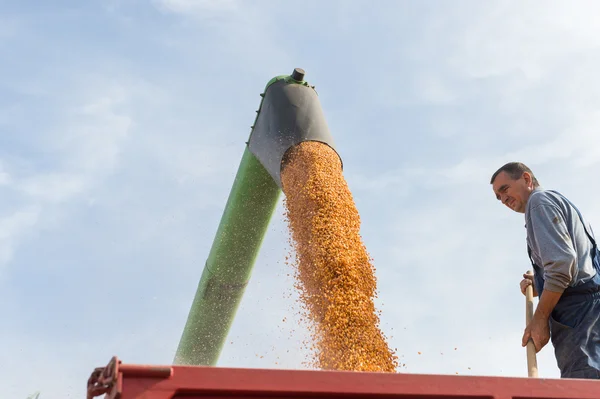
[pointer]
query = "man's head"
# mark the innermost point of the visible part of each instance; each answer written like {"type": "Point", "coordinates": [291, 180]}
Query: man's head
{"type": "Point", "coordinates": [512, 184]}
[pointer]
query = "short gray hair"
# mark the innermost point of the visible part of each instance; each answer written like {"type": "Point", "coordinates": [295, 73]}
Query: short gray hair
{"type": "Point", "coordinates": [515, 170]}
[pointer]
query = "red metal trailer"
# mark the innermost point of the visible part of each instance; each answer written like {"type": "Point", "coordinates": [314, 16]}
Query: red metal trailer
{"type": "Point", "coordinates": [129, 381]}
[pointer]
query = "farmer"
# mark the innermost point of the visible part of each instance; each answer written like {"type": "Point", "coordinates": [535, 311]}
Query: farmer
{"type": "Point", "coordinates": [566, 265]}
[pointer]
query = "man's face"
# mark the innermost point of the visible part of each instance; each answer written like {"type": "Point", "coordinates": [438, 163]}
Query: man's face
{"type": "Point", "coordinates": [513, 193]}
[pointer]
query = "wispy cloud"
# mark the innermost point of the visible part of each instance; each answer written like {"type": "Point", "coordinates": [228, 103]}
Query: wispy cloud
{"type": "Point", "coordinates": [199, 8]}
{"type": "Point", "coordinates": [4, 176]}
{"type": "Point", "coordinates": [14, 228]}
{"type": "Point", "coordinates": [9, 28]}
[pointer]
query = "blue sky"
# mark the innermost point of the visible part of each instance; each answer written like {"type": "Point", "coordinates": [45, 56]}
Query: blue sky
{"type": "Point", "coordinates": [122, 124]}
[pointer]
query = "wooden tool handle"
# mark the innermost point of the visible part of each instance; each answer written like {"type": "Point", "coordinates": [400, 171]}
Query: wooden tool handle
{"type": "Point", "coordinates": [532, 369]}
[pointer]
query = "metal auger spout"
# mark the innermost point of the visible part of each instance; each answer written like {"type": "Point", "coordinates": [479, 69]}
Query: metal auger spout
{"type": "Point", "coordinates": [289, 113]}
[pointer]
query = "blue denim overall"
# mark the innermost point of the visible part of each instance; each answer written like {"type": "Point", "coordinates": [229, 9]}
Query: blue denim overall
{"type": "Point", "coordinates": [575, 321]}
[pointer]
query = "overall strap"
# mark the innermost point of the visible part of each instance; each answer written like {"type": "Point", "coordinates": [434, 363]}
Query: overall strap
{"type": "Point", "coordinates": [529, 254]}
{"type": "Point", "coordinates": [537, 276]}
{"type": "Point", "coordinates": [595, 254]}
{"type": "Point", "coordinates": [580, 218]}
{"type": "Point", "coordinates": [588, 286]}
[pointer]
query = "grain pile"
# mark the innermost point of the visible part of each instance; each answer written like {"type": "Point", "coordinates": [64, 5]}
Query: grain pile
{"type": "Point", "coordinates": [334, 272]}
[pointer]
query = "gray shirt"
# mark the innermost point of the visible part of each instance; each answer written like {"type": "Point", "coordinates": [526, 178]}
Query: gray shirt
{"type": "Point", "coordinates": [558, 241]}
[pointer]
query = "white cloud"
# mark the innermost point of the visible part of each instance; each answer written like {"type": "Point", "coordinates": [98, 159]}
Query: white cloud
{"type": "Point", "coordinates": [511, 36]}
{"type": "Point", "coordinates": [14, 228]}
{"type": "Point", "coordinates": [84, 148]}
{"type": "Point", "coordinates": [96, 129]}
{"type": "Point", "coordinates": [244, 35]}
{"type": "Point", "coordinates": [197, 7]}
{"type": "Point", "coordinates": [53, 187]}
{"type": "Point", "coordinates": [4, 176]}
{"type": "Point", "coordinates": [9, 28]}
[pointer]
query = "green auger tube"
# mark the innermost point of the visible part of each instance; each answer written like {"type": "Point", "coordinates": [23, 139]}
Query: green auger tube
{"type": "Point", "coordinates": [289, 113]}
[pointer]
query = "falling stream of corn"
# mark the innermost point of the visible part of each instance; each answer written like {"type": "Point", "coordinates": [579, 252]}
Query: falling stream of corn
{"type": "Point", "coordinates": [334, 272]}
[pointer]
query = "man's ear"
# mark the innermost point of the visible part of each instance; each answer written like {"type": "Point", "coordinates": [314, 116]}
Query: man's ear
{"type": "Point", "coordinates": [527, 177]}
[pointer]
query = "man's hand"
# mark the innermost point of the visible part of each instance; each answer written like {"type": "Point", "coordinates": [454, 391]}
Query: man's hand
{"type": "Point", "coordinates": [526, 282]}
{"type": "Point", "coordinates": [539, 331]}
